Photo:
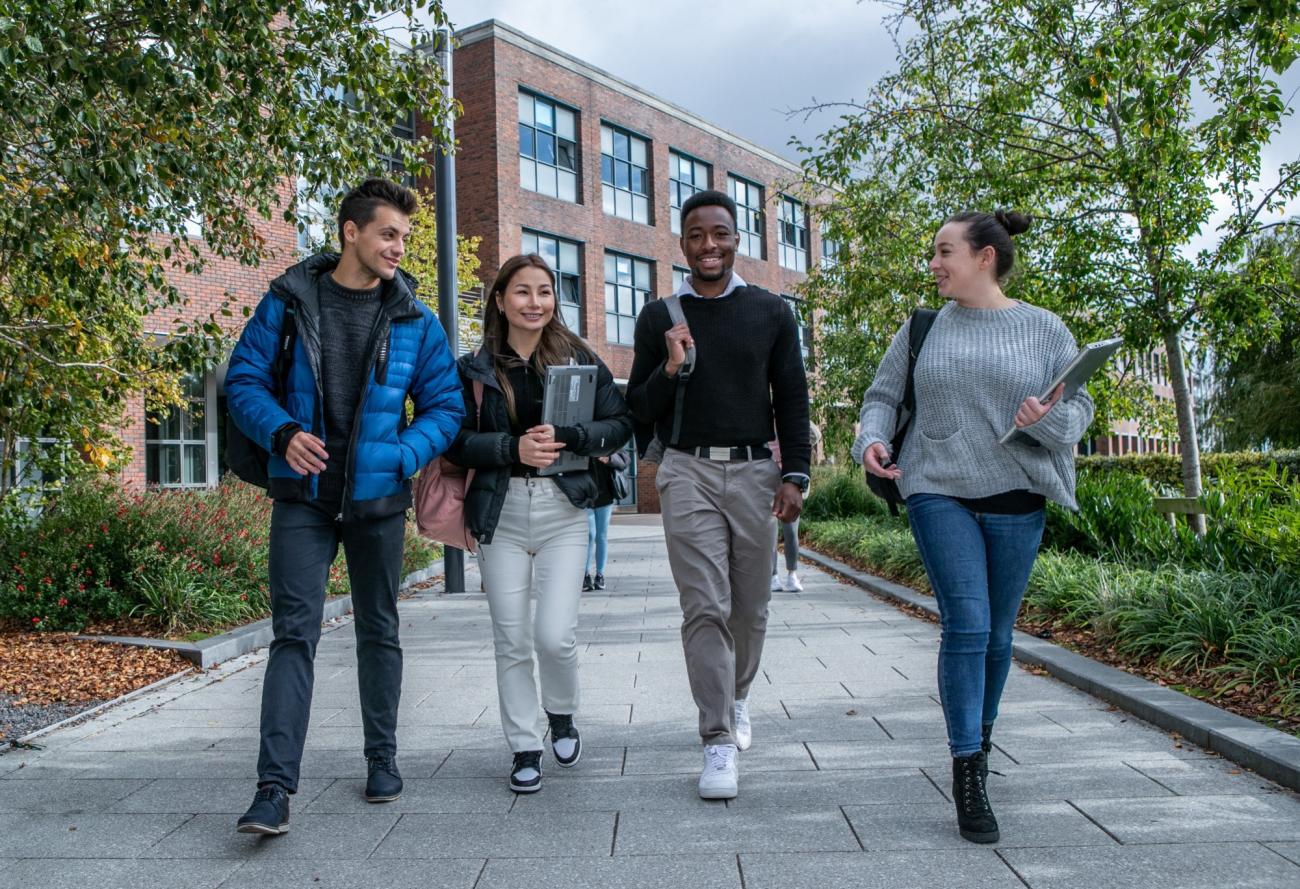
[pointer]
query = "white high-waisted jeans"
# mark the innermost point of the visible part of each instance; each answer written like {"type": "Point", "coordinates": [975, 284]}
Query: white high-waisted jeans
{"type": "Point", "coordinates": [537, 552]}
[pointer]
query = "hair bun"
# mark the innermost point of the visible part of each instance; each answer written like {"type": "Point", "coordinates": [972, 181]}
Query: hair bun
{"type": "Point", "coordinates": [1012, 221]}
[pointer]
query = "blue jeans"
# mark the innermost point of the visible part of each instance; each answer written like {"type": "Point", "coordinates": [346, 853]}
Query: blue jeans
{"type": "Point", "coordinates": [598, 537]}
{"type": "Point", "coordinates": [978, 565]}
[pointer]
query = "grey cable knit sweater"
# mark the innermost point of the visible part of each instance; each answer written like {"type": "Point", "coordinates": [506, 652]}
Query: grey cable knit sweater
{"type": "Point", "coordinates": [975, 369]}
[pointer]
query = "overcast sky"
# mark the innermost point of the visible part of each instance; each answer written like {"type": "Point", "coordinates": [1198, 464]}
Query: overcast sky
{"type": "Point", "coordinates": [743, 64]}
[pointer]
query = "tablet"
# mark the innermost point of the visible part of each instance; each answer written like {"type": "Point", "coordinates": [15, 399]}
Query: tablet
{"type": "Point", "coordinates": [570, 399]}
{"type": "Point", "coordinates": [1089, 360]}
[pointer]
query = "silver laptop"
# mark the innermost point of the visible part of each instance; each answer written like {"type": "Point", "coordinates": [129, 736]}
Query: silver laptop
{"type": "Point", "coordinates": [570, 399]}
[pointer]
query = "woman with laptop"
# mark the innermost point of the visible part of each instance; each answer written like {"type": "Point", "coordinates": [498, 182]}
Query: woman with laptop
{"type": "Point", "coordinates": [975, 505]}
{"type": "Point", "coordinates": [531, 524]}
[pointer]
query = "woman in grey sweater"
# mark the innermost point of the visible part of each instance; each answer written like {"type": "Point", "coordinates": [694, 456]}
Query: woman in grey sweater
{"type": "Point", "coordinates": [976, 506]}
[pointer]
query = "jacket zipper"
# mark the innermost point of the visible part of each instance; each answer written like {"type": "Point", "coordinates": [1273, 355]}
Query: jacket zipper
{"type": "Point", "coordinates": [378, 333]}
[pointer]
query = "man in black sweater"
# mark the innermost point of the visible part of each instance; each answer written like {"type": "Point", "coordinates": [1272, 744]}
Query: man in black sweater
{"type": "Point", "coordinates": [719, 489]}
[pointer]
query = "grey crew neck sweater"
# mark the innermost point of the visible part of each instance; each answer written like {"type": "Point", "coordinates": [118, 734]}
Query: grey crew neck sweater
{"type": "Point", "coordinates": [977, 366]}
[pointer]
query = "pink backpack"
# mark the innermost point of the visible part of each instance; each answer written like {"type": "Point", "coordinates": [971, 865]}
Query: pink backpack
{"type": "Point", "coordinates": [440, 496]}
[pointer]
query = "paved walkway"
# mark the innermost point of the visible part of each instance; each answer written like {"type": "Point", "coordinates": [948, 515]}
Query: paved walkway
{"type": "Point", "coordinates": [844, 787]}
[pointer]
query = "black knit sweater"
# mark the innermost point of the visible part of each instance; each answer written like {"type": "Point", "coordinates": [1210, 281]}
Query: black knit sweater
{"type": "Point", "coordinates": [748, 371]}
{"type": "Point", "coordinates": [347, 320]}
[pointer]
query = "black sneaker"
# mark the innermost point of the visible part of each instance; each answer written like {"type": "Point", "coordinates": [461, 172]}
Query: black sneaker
{"type": "Point", "coordinates": [383, 783]}
{"type": "Point", "coordinates": [269, 813]}
{"type": "Point", "coordinates": [599, 582]}
{"type": "Point", "coordinates": [526, 773]}
{"type": "Point", "coordinates": [566, 746]}
{"type": "Point", "coordinates": [586, 583]}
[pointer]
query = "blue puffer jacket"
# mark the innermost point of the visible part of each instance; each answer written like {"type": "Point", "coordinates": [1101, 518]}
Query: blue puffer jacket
{"type": "Point", "coordinates": [408, 356]}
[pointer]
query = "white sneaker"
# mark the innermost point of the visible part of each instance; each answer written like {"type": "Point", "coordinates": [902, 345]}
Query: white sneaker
{"type": "Point", "coordinates": [719, 779]}
{"type": "Point", "coordinates": [792, 584]}
{"type": "Point", "coordinates": [776, 583]}
{"type": "Point", "coordinates": [744, 732]}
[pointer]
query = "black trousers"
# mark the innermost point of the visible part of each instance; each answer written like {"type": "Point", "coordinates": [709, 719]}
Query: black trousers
{"type": "Point", "coordinates": [304, 541]}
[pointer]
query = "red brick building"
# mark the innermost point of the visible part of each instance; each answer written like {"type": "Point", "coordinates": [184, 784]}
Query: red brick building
{"type": "Point", "coordinates": [561, 158]}
{"type": "Point", "coordinates": [556, 157]}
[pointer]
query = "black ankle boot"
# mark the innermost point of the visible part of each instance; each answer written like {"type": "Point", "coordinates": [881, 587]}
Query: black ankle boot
{"type": "Point", "coordinates": [975, 819]}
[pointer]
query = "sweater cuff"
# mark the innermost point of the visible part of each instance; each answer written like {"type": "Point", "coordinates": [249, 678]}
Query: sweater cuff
{"type": "Point", "coordinates": [570, 436]}
{"type": "Point", "coordinates": [281, 437]}
{"type": "Point", "coordinates": [514, 448]}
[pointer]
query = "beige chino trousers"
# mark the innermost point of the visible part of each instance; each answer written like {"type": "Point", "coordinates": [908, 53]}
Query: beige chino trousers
{"type": "Point", "coordinates": [719, 527]}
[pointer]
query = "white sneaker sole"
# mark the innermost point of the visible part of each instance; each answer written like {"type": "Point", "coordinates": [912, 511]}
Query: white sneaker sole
{"type": "Point", "coordinates": [719, 793]}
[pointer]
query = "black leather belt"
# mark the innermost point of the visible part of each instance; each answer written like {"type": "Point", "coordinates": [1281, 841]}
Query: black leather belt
{"type": "Point", "coordinates": [728, 455]}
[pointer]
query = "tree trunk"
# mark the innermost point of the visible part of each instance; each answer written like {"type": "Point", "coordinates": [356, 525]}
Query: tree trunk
{"type": "Point", "coordinates": [1185, 406]}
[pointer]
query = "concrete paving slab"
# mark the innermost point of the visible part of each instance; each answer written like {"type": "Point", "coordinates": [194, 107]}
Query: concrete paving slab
{"type": "Point", "coordinates": [654, 793]}
{"type": "Point", "coordinates": [496, 763]}
{"type": "Point", "coordinates": [117, 874]}
{"type": "Point", "coordinates": [451, 873]}
{"type": "Point", "coordinates": [934, 826]}
{"type": "Point", "coordinates": [193, 796]}
{"type": "Point", "coordinates": [83, 836]}
{"type": "Point", "coordinates": [589, 834]}
{"type": "Point", "coordinates": [1016, 783]}
{"type": "Point", "coordinates": [933, 869]}
{"type": "Point", "coordinates": [309, 837]}
{"type": "Point", "coordinates": [1181, 866]}
{"type": "Point", "coordinates": [625, 872]}
{"type": "Point", "coordinates": [419, 795]}
{"type": "Point", "coordinates": [832, 789]}
{"type": "Point", "coordinates": [735, 830]}
{"type": "Point", "coordinates": [64, 796]}
{"type": "Point", "coordinates": [1197, 819]}
{"type": "Point", "coordinates": [689, 759]}
{"type": "Point", "coordinates": [1289, 851]}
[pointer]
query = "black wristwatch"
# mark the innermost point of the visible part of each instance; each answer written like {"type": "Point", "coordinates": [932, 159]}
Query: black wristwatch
{"type": "Point", "coordinates": [799, 480]}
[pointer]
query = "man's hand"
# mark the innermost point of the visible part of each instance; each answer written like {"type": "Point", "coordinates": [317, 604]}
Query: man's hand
{"type": "Point", "coordinates": [679, 339]}
{"type": "Point", "coordinates": [876, 460]}
{"type": "Point", "coordinates": [1032, 410]}
{"type": "Point", "coordinates": [306, 454]}
{"type": "Point", "coordinates": [788, 503]}
{"type": "Point", "coordinates": [538, 447]}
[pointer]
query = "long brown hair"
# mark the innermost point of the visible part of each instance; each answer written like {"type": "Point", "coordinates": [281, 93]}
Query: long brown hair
{"type": "Point", "coordinates": [557, 345]}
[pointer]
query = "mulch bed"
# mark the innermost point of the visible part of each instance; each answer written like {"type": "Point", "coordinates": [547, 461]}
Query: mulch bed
{"type": "Point", "coordinates": [45, 677]}
{"type": "Point", "coordinates": [1255, 701]}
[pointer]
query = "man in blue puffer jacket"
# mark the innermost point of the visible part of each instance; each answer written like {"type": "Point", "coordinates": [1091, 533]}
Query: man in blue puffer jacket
{"type": "Point", "coordinates": [342, 455]}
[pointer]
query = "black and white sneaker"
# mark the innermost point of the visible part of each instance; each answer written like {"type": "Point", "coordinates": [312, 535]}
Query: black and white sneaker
{"type": "Point", "coordinates": [526, 774]}
{"type": "Point", "coordinates": [269, 813]}
{"type": "Point", "coordinates": [565, 743]}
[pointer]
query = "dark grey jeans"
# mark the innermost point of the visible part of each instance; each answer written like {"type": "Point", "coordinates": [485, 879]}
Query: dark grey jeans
{"type": "Point", "coordinates": [305, 539]}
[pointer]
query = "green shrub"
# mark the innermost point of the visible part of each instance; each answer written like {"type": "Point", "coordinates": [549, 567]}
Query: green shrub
{"type": "Point", "coordinates": [191, 560]}
{"type": "Point", "coordinates": [840, 492]}
{"type": "Point", "coordinates": [1166, 470]}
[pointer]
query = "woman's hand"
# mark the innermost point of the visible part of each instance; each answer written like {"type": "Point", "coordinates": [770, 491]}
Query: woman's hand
{"type": "Point", "coordinates": [877, 461]}
{"type": "Point", "coordinates": [1032, 410]}
{"type": "Point", "coordinates": [538, 447]}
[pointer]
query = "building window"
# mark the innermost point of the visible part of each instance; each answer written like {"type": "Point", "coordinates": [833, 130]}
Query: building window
{"type": "Point", "coordinates": [176, 440]}
{"type": "Point", "coordinates": [392, 163]}
{"type": "Point", "coordinates": [805, 330]}
{"type": "Point", "coordinates": [562, 257]}
{"type": "Point", "coordinates": [792, 234]}
{"type": "Point", "coordinates": [749, 216]}
{"type": "Point", "coordinates": [625, 184]}
{"type": "Point", "coordinates": [548, 148]}
{"type": "Point", "coordinates": [679, 277]}
{"type": "Point", "coordinates": [627, 287]}
{"type": "Point", "coordinates": [830, 246]}
{"type": "Point", "coordinates": [686, 176]}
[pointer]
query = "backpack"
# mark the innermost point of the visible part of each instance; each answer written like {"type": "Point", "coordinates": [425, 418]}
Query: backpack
{"type": "Point", "coordinates": [440, 491]}
{"type": "Point", "coordinates": [918, 328]}
{"type": "Point", "coordinates": [247, 459]}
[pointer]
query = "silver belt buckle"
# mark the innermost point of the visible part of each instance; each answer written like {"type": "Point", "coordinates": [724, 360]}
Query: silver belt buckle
{"type": "Point", "coordinates": [722, 455]}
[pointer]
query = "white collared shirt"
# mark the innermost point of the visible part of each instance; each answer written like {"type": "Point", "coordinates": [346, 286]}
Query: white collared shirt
{"type": "Point", "coordinates": [688, 289]}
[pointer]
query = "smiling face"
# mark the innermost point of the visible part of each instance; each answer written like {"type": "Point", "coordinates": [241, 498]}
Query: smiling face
{"type": "Point", "coordinates": [528, 300]}
{"type": "Point", "coordinates": [378, 247]}
{"type": "Point", "coordinates": [709, 243]}
{"type": "Point", "coordinates": [958, 268]}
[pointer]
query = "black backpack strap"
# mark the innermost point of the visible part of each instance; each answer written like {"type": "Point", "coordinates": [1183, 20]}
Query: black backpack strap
{"type": "Point", "coordinates": [918, 329]}
{"type": "Point", "coordinates": [677, 316]}
{"type": "Point", "coordinates": [284, 356]}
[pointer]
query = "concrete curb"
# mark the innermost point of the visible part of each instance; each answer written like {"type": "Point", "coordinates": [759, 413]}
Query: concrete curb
{"type": "Point", "coordinates": [1273, 754]}
{"type": "Point", "coordinates": [241, 640]}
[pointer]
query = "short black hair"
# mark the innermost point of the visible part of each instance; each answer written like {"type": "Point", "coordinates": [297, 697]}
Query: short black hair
{"type": "Point", "coordinates": [709, 198]}
{"type": "Point", "coordinates": [359, 204]}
